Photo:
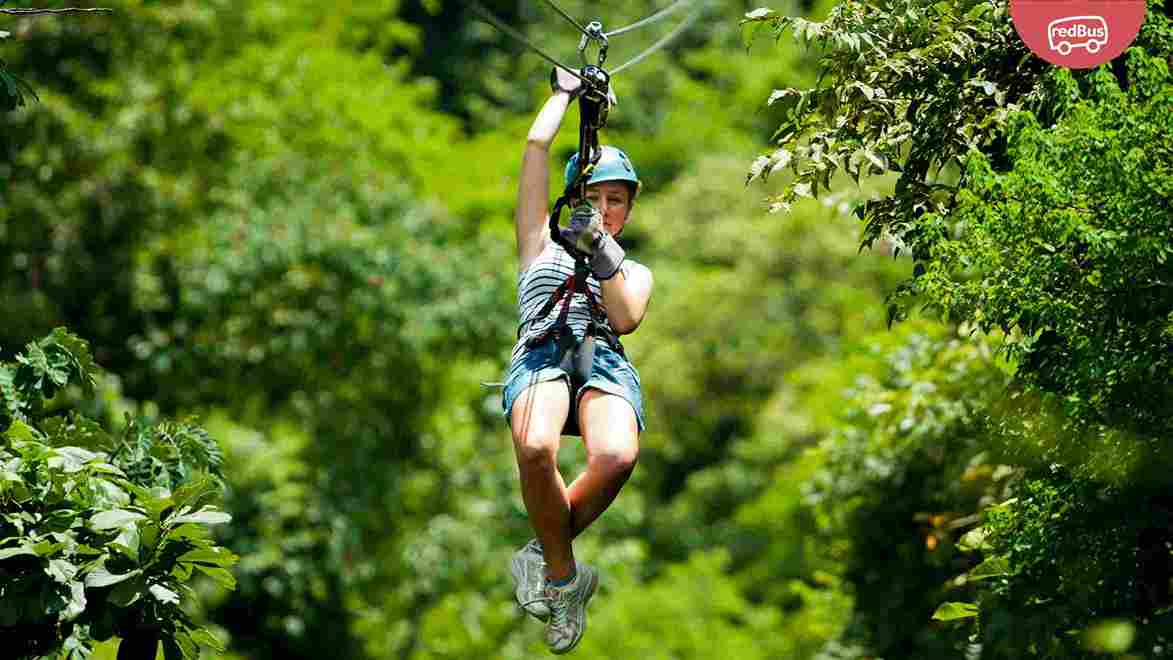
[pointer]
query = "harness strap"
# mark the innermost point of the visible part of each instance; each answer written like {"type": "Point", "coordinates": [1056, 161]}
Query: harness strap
{"type": "Point", "coordinates": [564, 294]}
{"type": "Point", "coordinates": [572, 283]}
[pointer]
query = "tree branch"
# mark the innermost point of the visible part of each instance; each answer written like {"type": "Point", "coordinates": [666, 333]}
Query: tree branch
{"type": "Point", "coordinates": [68, 10]}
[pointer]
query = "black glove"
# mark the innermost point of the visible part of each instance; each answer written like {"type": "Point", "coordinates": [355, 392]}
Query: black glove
{"type": "Point", "coordinates": [586, 234]}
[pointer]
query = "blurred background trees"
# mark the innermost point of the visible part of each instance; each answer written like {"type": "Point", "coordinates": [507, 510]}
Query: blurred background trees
{"type": "Point", "coordinates": [294, 221]}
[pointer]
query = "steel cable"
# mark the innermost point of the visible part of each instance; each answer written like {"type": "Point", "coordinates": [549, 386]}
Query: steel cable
{"type": "Point", "coordinates": [649, 20]}
{"type": "Point", "coordinates": [495, 22]}
{"type": "Point", "coordinates": [567, 17]}
{"type": "Point", "coordinates": [684, 25]}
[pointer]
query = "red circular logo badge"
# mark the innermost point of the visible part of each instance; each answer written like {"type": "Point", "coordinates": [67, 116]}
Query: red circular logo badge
{"type": "Point", "coordinates": [1077, 34]}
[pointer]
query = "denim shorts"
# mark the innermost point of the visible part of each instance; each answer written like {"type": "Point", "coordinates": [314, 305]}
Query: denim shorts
{"type": "Point", "coordinates": [611, 372]}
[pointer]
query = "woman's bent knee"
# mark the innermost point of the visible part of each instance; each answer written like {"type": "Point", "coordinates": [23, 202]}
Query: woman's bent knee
{"type": "Point", "coordinates": [615, 461]}
{"type": "Point", "coordinates": [537, 450]}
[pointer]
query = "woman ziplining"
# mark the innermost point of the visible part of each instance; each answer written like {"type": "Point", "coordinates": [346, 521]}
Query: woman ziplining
{"type": "Point", "coordinates": [578, 292]}
{"type": "Point", "coordinates": [568, 368]}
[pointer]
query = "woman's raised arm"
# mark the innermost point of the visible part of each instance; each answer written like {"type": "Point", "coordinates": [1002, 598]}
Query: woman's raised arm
{"type": "Point", "coordinates": [534, 186]}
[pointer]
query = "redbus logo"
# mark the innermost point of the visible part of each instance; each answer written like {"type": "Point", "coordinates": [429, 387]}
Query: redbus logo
{"type": "Point", "coordinates": [1078, 34]}
{"type": "Point", "coordinates": [1089, 32]}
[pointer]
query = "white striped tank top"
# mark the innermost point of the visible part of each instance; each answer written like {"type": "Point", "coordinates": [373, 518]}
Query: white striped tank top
{"type": "Point", "coordinates": [537, 283]}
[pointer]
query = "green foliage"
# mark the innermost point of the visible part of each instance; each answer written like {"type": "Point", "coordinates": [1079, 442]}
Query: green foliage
{"type": "Point", "coordinates": [297, 564]}
{"type": "Point", "coordinates": [911, 88]}
{"type": "Point", "coordinates": [1072, 247]}
{"type": "Point", "coordinates": [1079, 556]}
{"type": "Point", "coordinates": [698, 614]}
{"type": "Point", "coordinates": [327, 276]}
{"type": "Point", "coordinates": [100, 534]}
{"type": "Point", "coordinates": [14, 92]}
{"type": "Point", "coordinates": [1034, 201]}
{"type": "Point", "coordinates": [320, 305]}
{"type": "Point", "coordinates": [904, 476]}
{"type": "Point", "coordinates": [903, 88]}
{"type": "Point", "coordinates": [45, 367]}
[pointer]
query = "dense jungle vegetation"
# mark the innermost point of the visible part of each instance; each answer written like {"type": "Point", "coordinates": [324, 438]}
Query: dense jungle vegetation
{"type": "Point", "coordinates": [908, 391]}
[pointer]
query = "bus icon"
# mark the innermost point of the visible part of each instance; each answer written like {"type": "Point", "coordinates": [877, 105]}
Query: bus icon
{"type": "Point", "coordinates": [1089, 32]}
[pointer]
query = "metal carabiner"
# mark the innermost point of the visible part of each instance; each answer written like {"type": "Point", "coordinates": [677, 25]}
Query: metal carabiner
{"type": "Point", "coordinates": [594, 32]}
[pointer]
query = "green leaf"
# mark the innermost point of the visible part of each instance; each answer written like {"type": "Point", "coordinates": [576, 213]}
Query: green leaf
{"type": "Point", "coordinates": [112, 493]}
{"type": "Point", "coordinates": [756, 169]}
{"type": "Point", "coordinates": [157, 503]}
{"type": "Point", "coordinates": [182, 572]}
{"type": "Point", "coordinates": [77, 601]}
{"type": "Point", "coordinates": [16, 552]}
{"type": "Point", "coordinates": [128, 592]}
{"type": "Point", "coordinates": [779, 94]}
{"type": "Point", "coordinates": [75, 430]}
{"type": "Point", "coordinates": [187, 531]}
{"type": "Point", "coordinates": [46, 548]}
{"type": "Point", "coordinates": [206, 515]}
{"type": "Point", "coordinates": [221, 576]}
{"type": "Point", "coordinates": [952, 611]}
{"type": "Point", "coordinates": [129, 542]}
{"type": "Point", "coordinates": [77, 351]}
{"type": "Point", "coordinates": [190, 650]}
{"type": "Point", "coordinates": [192, 493]}
{"type": "Point", "coordinates": [1110, 636]}
{"type": "Point", "coordinates": [101, 577]}
{"type": "Point", "coordinates": [71, 459]}
{"type": "Point", "coordinates": [114, 519]}
{"type": "Point", "coordinates": [19, 431]}
{"type": "Point", "coordinates": [992, 567]}
{"type": "Point", "coordinates": [206, 638]}
{"type": "Point", "coordinates": [879, 163]}
{"type": "Point", "coordinates": [163, 594]}
{"type": "Point", "coordinates": [216, 556]}
{"type": "Point", "coordinates": [62, 571]}
{"type": "Point", "coordinates": [148, 533]}
{"type": "Point", "coordinates": [974, 539]}
{"type": "Point", "coordinates": [779, 159]}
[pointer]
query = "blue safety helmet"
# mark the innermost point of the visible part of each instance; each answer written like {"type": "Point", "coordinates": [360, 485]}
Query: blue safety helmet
{"type": "Point", "coordinates": [613, 165]}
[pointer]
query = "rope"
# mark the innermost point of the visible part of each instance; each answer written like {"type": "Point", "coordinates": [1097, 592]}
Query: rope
{"type": "Point", "coordinates": [649, 20]}
{"type": "Point", "coordinates": [684, 25]}
{"type": "Point", "coordinates": [495, 22]}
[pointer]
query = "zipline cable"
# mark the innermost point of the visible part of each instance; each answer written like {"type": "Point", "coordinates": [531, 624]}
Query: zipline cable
{"type": "Point", "coordinates": [495, 22]}
{"type": "Point", "coordinates": [684, 25]}
{"type": "Point", "coordinates": [567, 17]}
{"type": "Point", "coordinates": [649, 20]}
